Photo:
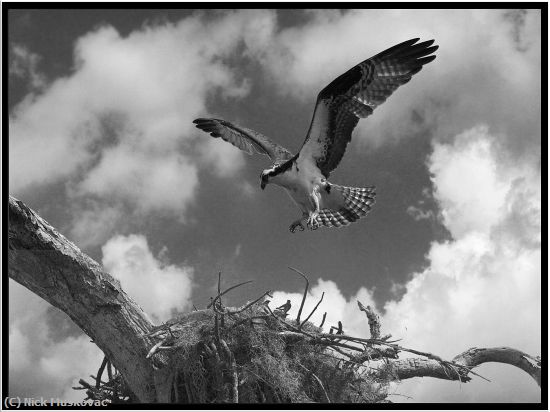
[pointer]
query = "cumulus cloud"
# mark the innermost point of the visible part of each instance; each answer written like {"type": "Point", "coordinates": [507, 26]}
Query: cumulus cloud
{"type": "Point", "coordinates": [221, 157]}
{"type": "Point", "coordinates": [495, 60]}
{"type": "Point", "coordinates": [24, 64]}
{"type": "Point", "coordinates": [43, 362]}
{"type": "Point", "coordinates": [159, 288]}
{"type": "Point", "coordinates": [118, 129]}
{"type": "Point", "coordinates": [481, 288]}
{"type": "Point", "coordinates": [422, 210]}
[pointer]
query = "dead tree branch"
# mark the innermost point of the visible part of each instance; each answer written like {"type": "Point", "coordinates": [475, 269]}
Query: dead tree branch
{"type": "Point", "coordinates": [305, 294]}
{"type": "Point", "coordinates": [417, 367]}
{"type": "Point", "coordinates": [314, 309]}
{"type": "Point", "coordinates": [44, 261]}
{"type": "Point", "coordinates": [374, 320]}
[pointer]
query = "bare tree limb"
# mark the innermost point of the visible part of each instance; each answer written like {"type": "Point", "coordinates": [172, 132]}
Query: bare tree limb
{"type": "Point", "coordinates": [476, 356]}
{"type": "Point", "coordinates": [246, 306]}
{"type": "Point", "coordinates": [374, 320]}
{"type": "Point", "coordinates": [323, 321]}
{"type": "Point", "coordinates": [305, 294]}
{"type": "Point", "coordinates": [214, 301]}
{"type": "Point", "coordinates": [100, 372]}
{"type": "Point", "coordinates": [314, 309]}
{"type": "Point", "coordinates": [418, 367]}
{"type": "Point", "coordinates": [44, 261]}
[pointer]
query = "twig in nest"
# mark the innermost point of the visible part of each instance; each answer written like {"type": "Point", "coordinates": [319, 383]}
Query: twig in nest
{"type": "Point", "coordinates": [95, 379]}
{"type": "Point", "coordinates": [317, 379]}
{"type": "Point", "coordinates": [230, 312]}
{"type": "Point", "coordinates": [109, 370]}
{"type": "Point", "coordinates": [216, 368]}
{"type": "Point", "coordinates": [100, 372]}
{"type": "Point", "coordinates": [216, 327]}
{"type": "Point", "coordinates": [85, 384]}
{"type": "Point", "coordinates": [305, 294]}
{"type": "Point", "coordinates": [248, 319]}
{"type": "Point", "coordinates": [220, 303]}
{"type": "Point", "coordinates": [314, 309]}
{"type": "Point", "coordinates": [155, 348]}
{"type": "Point", "coordinates": [295, 329]}
{"type": "Point", "coordinates": [232, 371]}
{"type": "Point", "coordinates": [323, 321]}
{"type": "Point", "coordinates": [225, 291]}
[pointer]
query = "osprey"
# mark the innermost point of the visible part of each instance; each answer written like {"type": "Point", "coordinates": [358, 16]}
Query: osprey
{"type": "Point", "coordinates": [340, 105]}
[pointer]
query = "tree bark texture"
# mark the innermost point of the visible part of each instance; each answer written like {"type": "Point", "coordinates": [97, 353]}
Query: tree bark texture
{"type": "Point", "coordinates": [419, 367]}
{"type": "Point", "coordinates": [44, 261]}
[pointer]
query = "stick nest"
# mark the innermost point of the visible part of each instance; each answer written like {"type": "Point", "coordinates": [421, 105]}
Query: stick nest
{"type": "Point", "coordinates": [255, 358]}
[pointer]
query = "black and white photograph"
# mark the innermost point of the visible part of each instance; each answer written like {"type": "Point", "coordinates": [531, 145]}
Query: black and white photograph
{"type": "Point", "coordinates": [274, 206]}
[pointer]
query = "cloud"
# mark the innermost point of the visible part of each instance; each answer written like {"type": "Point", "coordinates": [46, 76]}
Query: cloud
{"type": "Point", "coordinates": [489, 72]}
{"type": "Point", "coordinates": [118, 129]}
{"type": "Point", "coordinates": [42, 361]}
{"type": "Point", "coordinates": [159, 288]}
{"type": "Point", "coordinates": [481, 288]}
{"type": "Point", "coordinates": [150, 183]}
{"type": "Point", "coordinates": [222, 157]}
{"type": "Point", "coordinates": [93, 221]}
{"type": "Point", "coordinates": [419, 214]}
{"type": "Point", "coordinates": [24, 65]}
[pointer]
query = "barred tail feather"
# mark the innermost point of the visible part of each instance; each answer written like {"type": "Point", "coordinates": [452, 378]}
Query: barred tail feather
{"type": "Point", "coordinates": [357, 204]}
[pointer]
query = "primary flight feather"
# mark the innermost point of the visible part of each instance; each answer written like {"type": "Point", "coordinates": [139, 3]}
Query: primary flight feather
{"type": "Point", "coordinates": [340, 105]}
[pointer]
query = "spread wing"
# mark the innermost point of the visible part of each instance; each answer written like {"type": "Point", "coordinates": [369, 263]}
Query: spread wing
{"type": "Point", "coordinates": [355, 94]}
{"type": "Point", "coordinates": [245, 139]}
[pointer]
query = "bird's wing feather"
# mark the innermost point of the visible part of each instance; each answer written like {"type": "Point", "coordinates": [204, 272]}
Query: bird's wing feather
{"type": "Point", "coordinates": [245, 139]}
{"type": "Point", "coordinates": [355, 94]}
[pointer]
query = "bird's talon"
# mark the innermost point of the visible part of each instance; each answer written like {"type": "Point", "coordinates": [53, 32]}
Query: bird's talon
{"type": "Point", "coordinates": [312, 223]}
{"type": "Point", "coordinates": [296, 225]}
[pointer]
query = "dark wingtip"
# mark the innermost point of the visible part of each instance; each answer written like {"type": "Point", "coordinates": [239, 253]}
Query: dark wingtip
{"type": "Point", "coordinates": [406, 43]}
{"type": "Point", "coordinates": [426, 60]}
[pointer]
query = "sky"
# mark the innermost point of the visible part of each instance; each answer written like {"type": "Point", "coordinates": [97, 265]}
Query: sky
{"type": "Point", "coordinates": [102, 145]}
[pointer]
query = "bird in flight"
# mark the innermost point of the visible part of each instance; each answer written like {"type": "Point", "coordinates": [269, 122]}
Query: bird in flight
{"type": "Point", "coordinates": [340, 105]}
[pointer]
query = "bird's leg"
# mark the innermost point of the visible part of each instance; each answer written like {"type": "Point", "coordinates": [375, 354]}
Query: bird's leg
{"type": "Point", "coordinates": [312, 223]}
{"type": "Point", "coordinates": [298, 224]}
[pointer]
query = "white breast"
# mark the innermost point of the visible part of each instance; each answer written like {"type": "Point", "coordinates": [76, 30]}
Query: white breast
{"type": "Point", "coordinates": [299, 182]}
